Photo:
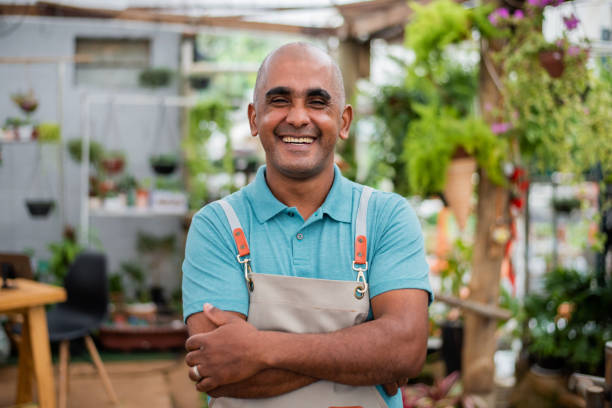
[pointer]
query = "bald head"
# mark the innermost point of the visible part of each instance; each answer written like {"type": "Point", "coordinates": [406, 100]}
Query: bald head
{"type": "Point", "coordinates": [304, 52]}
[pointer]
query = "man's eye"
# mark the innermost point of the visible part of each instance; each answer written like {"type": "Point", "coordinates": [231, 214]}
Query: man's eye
{"type": "Point", "coordinates": [318, 102]}
{"type": "Point", "coordinates": [278, 100]}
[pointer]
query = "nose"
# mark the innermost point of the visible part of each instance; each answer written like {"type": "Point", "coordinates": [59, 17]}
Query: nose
{"type": "Point", "coordinates": [297, 116]}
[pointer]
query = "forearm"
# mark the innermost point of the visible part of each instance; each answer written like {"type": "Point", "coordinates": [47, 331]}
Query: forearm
{"type": "Point", "coordinates": [266, 383]}
{"type": "Point", "coordinates": [376, 352]}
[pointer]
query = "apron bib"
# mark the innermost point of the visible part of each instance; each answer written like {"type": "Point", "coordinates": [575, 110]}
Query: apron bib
{"type": "Point", "coordinates": [305, 305]}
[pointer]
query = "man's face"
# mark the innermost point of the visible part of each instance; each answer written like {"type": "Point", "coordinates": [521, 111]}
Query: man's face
{"type": "Point", "coordinates": [298, 114]}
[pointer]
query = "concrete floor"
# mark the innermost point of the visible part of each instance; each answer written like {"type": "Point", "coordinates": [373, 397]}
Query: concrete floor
{"type": "Point", "coordinates": [150, 384]}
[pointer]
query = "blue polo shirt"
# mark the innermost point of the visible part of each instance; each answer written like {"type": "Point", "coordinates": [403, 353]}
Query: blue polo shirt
{"type": "Point", "coordinates": [282, 242]}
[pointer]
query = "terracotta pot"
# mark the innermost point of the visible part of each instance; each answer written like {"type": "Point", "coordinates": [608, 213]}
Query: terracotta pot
{"type": "Point", "coordinates": [552, 62]}
{"type": "Point", "coordinates": [459, 188]}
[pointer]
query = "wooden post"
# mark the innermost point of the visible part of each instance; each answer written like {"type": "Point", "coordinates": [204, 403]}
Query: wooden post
{"type": "Point", "coordinates": [479, 342]}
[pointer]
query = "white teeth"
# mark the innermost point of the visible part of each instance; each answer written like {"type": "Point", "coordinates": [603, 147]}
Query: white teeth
{"type": "Point", "coordinates": [288, 139]}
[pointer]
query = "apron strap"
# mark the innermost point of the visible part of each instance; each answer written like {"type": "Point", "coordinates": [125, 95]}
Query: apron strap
{"type": "Point", "coordinates": [237, 232]}
{"type": "Point", "coordinates": [361, 242]}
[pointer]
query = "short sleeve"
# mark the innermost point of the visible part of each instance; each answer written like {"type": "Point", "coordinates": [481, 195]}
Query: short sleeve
{"type": "Point", "coordinates": [398, 258]}
{"type": "Point", "coordinates": [211, 273]}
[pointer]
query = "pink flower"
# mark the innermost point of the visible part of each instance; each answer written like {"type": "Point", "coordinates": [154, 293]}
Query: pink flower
{"type": "Point", "coordinates": [518, 15]}
{"type": "Point", "coordinates": [500, 127]}
{"type": "Point", "coordinates": [574, 50]}
{"type": "Point", "coordinates": [501, 13]}
{"type": "Point", "coordinates": [571, 22]}
{"type": "Point", "coordinates": [488, 107]}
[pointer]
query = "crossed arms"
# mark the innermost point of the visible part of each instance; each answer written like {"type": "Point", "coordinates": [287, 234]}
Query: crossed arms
{"type": "Point", "coordinates": [237, 360]}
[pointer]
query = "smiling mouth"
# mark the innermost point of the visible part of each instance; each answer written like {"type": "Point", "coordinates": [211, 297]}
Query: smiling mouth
{"type": "Point", "coordinates": [297, 140]}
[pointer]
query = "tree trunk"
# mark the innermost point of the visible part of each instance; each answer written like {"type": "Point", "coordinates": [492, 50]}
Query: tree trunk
{"type": "Point", "coordinates": [479, 343]}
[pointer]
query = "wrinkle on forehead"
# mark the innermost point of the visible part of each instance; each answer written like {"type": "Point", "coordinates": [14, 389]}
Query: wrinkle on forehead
{"type": "Point", "coordinates": [302, 51]}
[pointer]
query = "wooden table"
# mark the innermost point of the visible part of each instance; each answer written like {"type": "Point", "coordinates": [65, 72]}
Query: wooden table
{"type": "Point", "coordinates": [29, 298]}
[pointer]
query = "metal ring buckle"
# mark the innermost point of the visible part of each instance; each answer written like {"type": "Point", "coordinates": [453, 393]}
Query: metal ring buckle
{"type": "Point", "coordinates": [365, 268]}
{"type": "Point", "coordinates": [361, 290]}
{"type": "Point", "coordinates": [247, 268]}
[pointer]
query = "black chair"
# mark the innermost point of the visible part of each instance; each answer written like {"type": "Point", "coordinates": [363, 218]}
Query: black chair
{"type": "Point", "coordinates": [84, 311]}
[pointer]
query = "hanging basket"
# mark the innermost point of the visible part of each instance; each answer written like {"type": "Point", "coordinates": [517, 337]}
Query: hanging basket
{"type": "Point", "coordinates": [113, 165]}
{"type": "Point", "coordinates": [39, 208]}
{"type": "Point", "coordinates": [458, 189]}
{"type": "Point", "coordinates": [164, 164]}
{"type": "Point", "coordinates": [552, 62]}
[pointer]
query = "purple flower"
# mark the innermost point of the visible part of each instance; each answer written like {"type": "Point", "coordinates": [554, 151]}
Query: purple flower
{"type": "Point", "coordinates": [500, 127]}
{"type": "Point", "coordinates": [499, 14]}
{"type": "Point", "coordinates": [571, 22]}
{"type": "Point", "coordinates": [518, 15]}
{"type": "Point", "coordinates": [573, 50]}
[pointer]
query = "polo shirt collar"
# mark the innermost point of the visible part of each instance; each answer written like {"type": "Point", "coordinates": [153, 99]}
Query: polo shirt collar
{"type": "Point", "coordinates": [337, 204]}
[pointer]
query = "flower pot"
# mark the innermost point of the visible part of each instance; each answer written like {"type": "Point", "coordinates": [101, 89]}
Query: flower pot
{"type": "Point", "coordinates": [39, 208]}
{"type": "Point", "coordinates": [458, 189]}
{"type": "Point", "coordinates": [163, 168]}
{"type": "Point", "coordinates": [452, 343]}
{"type": "Point", "coordinates": [24, 132]}
{"type": "Point", "coordinates": [113, 165]}
{"type": "Point", "coordinates": [552, 62]}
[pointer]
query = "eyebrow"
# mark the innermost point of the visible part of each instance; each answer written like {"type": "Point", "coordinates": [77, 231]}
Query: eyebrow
{"type": "Point", "coordinates": [314, 92]}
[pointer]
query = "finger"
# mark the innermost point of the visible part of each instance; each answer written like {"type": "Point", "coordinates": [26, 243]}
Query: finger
{"type": "Point", "coordinates": [194, 342]}
{"type": "Point", "coordinates": [390, 389]}
{"type": "Point", "coordinates": [192, 375]}
{"type": "Point", "coordinates": [206, 384]}
{"type": "Point", "coordinates": [217, 316]}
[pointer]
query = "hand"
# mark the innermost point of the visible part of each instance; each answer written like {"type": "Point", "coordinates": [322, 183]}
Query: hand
{"type": "Point", "coordinates": [228, 354]}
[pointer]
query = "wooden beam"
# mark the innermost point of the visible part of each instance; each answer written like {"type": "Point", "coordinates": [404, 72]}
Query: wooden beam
{"type": "Point", "coordinates": [50, 9]}
{"type": "Point", "coordinates": [364, 22]}
{"type": "Point", "coordinates": [485, 310]}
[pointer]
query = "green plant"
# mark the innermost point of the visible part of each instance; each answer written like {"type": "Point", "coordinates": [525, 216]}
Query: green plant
{"type": "Point", "coordinates": [115, 283]}
{"type": "Point", "coordinates": [155, 77]}
{"type": "Point", "coordinates": [96, 151]}
{"type": "Point", "coordinates": [164, 159]}
{"type": "Point", "coordinates": [458, 264]}
{"type": "Point", "coordinates": [49, 132]}
{"type": "Point", "coordinates": [565, 205]}
{"type": "Point", "coordinates": [205, 118]}
{"type": "Point", "coordinates": [570, 321]}
{"type": "Point", "coordinates": [436, 136]}
{"type": "Point", "coordinates": [134, 272]}
{"type": "Point", "coordinates": [553, 114]}
{"type": "Point", "coordinates": [440, 23]}
{"type": "Point", "coordinates": [63, 254]}
{"type": "Point", "coordinates": [14, 122]}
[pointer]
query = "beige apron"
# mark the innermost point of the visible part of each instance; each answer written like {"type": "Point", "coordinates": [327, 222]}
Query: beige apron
{"type": "Point", "coordinates": [306, 305]}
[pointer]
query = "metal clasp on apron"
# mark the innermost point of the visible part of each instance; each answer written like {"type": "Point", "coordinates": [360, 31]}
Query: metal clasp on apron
{"type": "Point", "coordinates": [362, 286]}
{"type": "Point", "coordinates": [247, 269]}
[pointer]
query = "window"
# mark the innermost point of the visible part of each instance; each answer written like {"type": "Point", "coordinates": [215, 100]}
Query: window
{"type": "Point", "coordinates": [116, 62]}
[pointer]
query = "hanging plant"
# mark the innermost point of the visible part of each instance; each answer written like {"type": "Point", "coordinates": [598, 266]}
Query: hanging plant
{"type": "Point", "coordinates": [113, 162]}
{"type": "Point", "coordinates": [27, 102]}
{"type": "Point", "coordinates": [155, 77]}
{"type": "Point", "coordinates": [554, 105]}
{"type": "Point", "coordinates": [205, 118]}
{"type": "Point", "coordinates": [96, 151]}
{"type": "Point", "coordinates": [48, 132]}
{"type": "Point", "coordinates": [164, 164]}
{"type": "Point", "coordinates": [39, 208]}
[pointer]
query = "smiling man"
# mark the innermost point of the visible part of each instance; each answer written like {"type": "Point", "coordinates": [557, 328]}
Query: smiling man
{"type": "Point", "coordinates": [304, 289]}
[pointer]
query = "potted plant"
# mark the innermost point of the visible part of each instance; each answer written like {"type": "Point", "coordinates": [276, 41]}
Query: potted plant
{"type": "Point", "coordinates": [63, 253]}
{"type": "Point", "coordinates": [48, 132]}
{"type": "Point", "coordinates": [155, 77]}
{"type": "Point", "coordinates": [164, 164]}
{"type": "Point", "coordinates": [570, 322]}
{"type": "Point", "coordinates": [113, 161]}
{"type": "Point", "coordinates": [565, 205]}
{"type": "Point", "coordinates": [27, 102]}
{"type": "Point", "coordinates": [39, 208]}
{"type": "Point", "coordinates": [96, 151]}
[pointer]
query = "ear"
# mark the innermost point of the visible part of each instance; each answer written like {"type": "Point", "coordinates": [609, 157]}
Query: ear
{"type": "Point", "coordinates": [347, 118]}
{"type": "Point", "coordinates": [252, 123]}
